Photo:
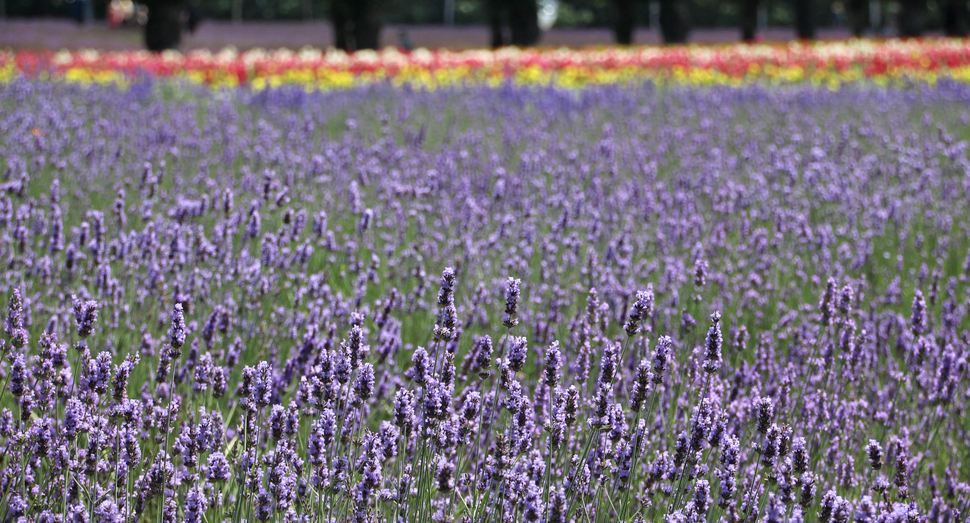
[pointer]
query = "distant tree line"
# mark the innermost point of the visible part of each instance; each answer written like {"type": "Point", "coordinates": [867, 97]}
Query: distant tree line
{"type": "Point", "coordinates": [515, 22]}
{"type": "Point", "coordinates": [357, 23]}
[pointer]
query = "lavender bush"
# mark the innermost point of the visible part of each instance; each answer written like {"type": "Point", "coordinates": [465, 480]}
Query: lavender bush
{"type": "Point", "coordinates": [484, 304]}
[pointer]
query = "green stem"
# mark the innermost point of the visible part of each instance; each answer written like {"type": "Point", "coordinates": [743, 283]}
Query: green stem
{"type": "Point", "coordinates": [690, 451]}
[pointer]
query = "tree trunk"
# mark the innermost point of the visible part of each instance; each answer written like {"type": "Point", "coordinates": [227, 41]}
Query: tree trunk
{"type": "Point", "coordinates": [307, 8]}
{"type": "Point", "coordinates": [674, 21]}
{"type": "Point", "coordinates": [367, 25]}
{"type": "Point", "coordinates": [163, 30]}
{"type": "Point", "coordinates": [749, 19]}
{"type": "Point", "coordinates": [495, 26]}
{"type": "Point", "coordinates": [340, 19]}
{"type": "Point", "coordinates": [625, 21]}
{"type": "Point", "coordinates": [956, 18]}
{"type": "Point", "coordinates": [524, 22]}
{"type": "Point", "coordinates": [857, 12]}
{"type": "Point", "coordinates": [236, 11]}
{"type": "Point", "coordinates": [805, 19]}
{"type": "Point", "coordinates": [910, 19]}
{"type": "Point", "coordinates": [449, 12]}
{"type": "Point", "coordinates": [522, 17]}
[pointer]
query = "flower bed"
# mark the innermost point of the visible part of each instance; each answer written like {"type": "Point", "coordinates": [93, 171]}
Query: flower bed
{"type": "Point", "coordinates": [821, 63]}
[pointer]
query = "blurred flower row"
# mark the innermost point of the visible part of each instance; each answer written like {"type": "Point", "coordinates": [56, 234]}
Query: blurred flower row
{"type": "Point", "coordinates": [831, 64]}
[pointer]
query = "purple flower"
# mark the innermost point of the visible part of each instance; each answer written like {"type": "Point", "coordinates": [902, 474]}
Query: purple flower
{"type": "Point", "coordinates": [874, 450]}
{"type": "Point", "coordinates": [846, 298]}
{"type": "Point", "coordinates": [14, 325]}
{"type": "Point", "coordinates": [660, 358]}
{"type": "Point", "coordinates": [355, 347]}
{"type": "Point", "coordinates": [404, 409]}
{"type": "Point", "coordinates": [918, 321]}
{"type": "Point", "coordinates": [421, 369]}
{"type": "Point", "coordinates": [833, 508]}
{"type": "Point", "coordinates": [641, 385]}
{"type": "Point", "coordinates": [364, 383]}
{"type": "Point", "coordinates": [511, 303]}
{"type": "Point", "coordinates": [712, 356]}
{"type": "Point", "coordinates": [517, 351]}
{"type": "Point", "coordinates": [702, 497]}
{"type": "Point", "coordinates": [217, 468]}
{"type": "Point", "coordinates": [75, 415]}
{"type": "Point", "coordinates": [388, 435]}
{"type": "Point", "coordinates": [800, 459]}
{"type": "Point", "coordinates": [195, 504]}
{"type": "Point", "coordinates": [85, 315]}
{"type": "Point", "coordinates": [277, 420]}
{"type": "Point", "coordinates": [121, 376]}
{"type": "Point", "coordinates": [472, 405]}
{"type": "Point", "coordinates": [447, 327]}
{"type": "Point", "coordinates": [608, 364]}
{"type": "Point", "coordinates": [18, 376]}
{"type": "Point", "coordinates": [445, 474]}
{"type": "Point", "coordinates": [483, 356]}
{"type": "Point", "coordinates": [766, 412]}
{"type": "Point", "coordinates": [177, 332]}
{"type": "Point", "coordinates": [700, 272]}
{"type": "Point", "coordinates": [525, 186]}
{"type": "Point", "coordinates": [642, 310]}
{"type": "Point", "coordinates": [446, 295]}
{"type": "Point", "coordinates": [264, 505]}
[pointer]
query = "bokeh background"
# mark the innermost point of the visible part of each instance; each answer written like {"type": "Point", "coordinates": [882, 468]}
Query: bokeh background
{"type": "Point", "coordinates": [460, 24]}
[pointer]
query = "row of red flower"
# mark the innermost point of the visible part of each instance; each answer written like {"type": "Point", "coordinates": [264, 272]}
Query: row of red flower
{"type": "Point", "coordinates": [843, 61]}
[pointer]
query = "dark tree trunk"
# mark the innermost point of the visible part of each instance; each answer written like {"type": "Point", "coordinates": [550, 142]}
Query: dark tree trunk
{"type": "Point", "coordinates": [340, 17]}
{"type": "Point", "coordinates": [956, 18]}
{"type": "Point", "coordinates": [674, 21]}
{"type": "Point", "coordinates": [625, 21]}
{"type": "Point", "coordinates": [163, 30]}
{"type": "Point", "coordinates": [523, 22]}
{"type": "Point", "coordinates": [356, 24]}
{"type": "Point", "coordinates": [805, 19]}
{"type": "Point", "coordinates": [496, 27]}
{"type": "Point", "coordinates": [367, 24]}
{"type": "Point", "coordinates": [749, 19]}
{"type": "Point", "coordinates": [910, 19]}
{"type": "Point", "coordinates": [520, 17]}
{"type": "Point", "coordinates": [857, 12]}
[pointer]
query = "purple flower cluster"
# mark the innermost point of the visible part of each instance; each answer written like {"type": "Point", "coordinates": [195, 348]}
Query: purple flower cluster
{"type": "Point", "coordinates": [226, 306]}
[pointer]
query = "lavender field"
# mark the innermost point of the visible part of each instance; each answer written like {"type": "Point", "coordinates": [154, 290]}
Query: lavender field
{"type": "Point", "coordinates": [474, 304]}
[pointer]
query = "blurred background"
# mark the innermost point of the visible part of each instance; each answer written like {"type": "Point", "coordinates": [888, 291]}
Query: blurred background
{"type": "Point", "coordinates": [459, 24]}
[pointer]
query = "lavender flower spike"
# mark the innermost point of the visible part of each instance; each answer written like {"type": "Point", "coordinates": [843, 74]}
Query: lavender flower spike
{"type": "Point", "coordinates": [919, 314]}
{"type": "Point", "coordinates": [177, 333]}
{"type": "Point", "coordinates": [511, 303]}
{"type": "Point", "coordinates": [14, 326]}
{"type": "Point", "coordinates": [712, 357]}
{"type": "Point", "coordinates": [642, 310]}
